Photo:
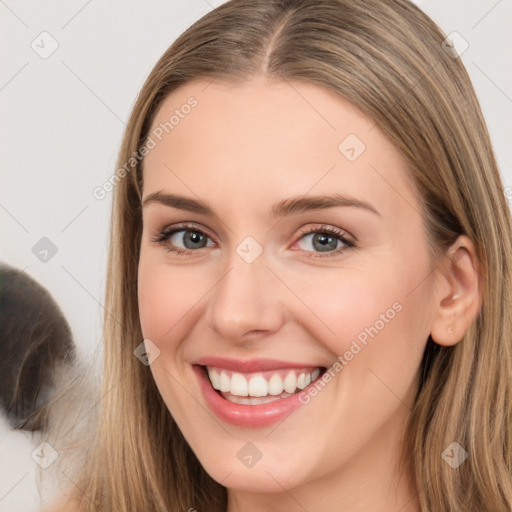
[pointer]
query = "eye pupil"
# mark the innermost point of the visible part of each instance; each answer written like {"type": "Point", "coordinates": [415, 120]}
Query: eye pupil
{"type": "Point", "coordinates": [194, 238]}
{"type": "Point", "coordinates": [327, 242]}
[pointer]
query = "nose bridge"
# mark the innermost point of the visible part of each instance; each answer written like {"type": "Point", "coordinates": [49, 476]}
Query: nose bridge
{"type": "Point", "coordinates": [246, 300]}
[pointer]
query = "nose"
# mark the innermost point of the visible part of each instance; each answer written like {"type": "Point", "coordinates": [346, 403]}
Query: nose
{"type": "Point", "coordinates": [246, 304]}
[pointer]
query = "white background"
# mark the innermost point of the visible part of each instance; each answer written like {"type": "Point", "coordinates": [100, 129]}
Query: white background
{"type": "Point", "coordinates": [62, 120]}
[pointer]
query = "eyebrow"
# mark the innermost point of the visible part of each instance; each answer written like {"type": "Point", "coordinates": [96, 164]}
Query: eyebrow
{"type": "Point", "coordinates": [291, 206]}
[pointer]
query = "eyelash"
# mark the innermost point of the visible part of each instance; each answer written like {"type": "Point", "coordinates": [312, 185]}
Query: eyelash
{"type": "Point", "coordinates": [164, 235]}
{"type": "Point", "coordinates": [335, 232]}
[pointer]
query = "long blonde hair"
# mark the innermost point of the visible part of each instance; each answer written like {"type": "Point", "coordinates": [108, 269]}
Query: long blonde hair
{"type": "Point", "coordinates": [386, 58]}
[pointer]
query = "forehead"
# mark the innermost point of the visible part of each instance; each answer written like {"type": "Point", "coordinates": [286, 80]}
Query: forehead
{"type": "Point", "coordinates": [268, 140]}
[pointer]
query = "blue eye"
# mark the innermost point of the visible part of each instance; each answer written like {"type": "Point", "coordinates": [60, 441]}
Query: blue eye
{"type": "Point", "coordinates": [327, 240]}
{"type": "Point", "coordinates": [319, 242]}
{"type": "Point", "coordinates": [190, 239]}
{"type": "Point", "coordinates": [322, 242]}
{"type": "Point", "coordinates": [183, 239]}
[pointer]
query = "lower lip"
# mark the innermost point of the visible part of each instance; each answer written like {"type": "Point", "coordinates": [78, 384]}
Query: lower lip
{"type": "Point", "coordinates": [262, 415]}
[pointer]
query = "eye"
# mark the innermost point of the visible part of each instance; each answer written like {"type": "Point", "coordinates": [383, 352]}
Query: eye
{"type": "Point", "coordinates": [190, 239]}
{"type": "Point", "coordinates": [316, 242]}
{"type": "Point", "coordinates": [325, 239]}
{"type": "Point", "coordinates": [183, 239]}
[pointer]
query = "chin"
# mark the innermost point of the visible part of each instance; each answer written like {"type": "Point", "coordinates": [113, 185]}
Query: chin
{"type": "Point", "coordinates": [270, 476]}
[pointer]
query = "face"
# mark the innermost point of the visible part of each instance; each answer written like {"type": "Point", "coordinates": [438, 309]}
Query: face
{"type": "Point", "coordinates": [284, 276]}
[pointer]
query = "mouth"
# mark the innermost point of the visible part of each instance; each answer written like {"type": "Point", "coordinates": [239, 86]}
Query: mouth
{"type": "Point", "coordinates": [260, 387]}
{"type": "Point", "coordinates": [254, 393]}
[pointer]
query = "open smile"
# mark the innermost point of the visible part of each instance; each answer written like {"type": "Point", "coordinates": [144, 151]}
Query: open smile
{"type": "Point", "coordinates": [254, 398]}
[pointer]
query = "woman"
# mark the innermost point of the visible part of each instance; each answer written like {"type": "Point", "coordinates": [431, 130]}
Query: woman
{"type": "Point", "coordinates": [310, 234]}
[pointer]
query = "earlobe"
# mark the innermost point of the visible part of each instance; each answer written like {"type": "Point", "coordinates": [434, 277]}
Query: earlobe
{"type": "Point", "coordinates": [458, 293]}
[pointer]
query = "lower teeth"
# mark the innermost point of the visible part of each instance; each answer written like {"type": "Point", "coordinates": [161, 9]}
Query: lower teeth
{"type": "Point", "coordinates": [254, 400]}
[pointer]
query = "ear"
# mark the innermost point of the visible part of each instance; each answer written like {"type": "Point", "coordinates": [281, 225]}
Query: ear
{"type": "Point", "coordinates": [458, 294]}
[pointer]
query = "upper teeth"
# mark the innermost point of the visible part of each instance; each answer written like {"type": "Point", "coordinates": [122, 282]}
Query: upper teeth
{"type": "Point", "coordinates": [262, 383]}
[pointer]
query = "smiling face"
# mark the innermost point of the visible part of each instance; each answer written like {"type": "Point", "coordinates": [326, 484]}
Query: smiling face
{"type": "Point", "coordinates": [282, 242]}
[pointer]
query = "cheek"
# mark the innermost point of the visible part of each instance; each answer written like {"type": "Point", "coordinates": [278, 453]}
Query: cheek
{"type": "Point", "coordinates": [342, 305]}
{"type": "Point", "coordinates": [165, 297]}
{"type": "Point", "coordinates": [373, 319]}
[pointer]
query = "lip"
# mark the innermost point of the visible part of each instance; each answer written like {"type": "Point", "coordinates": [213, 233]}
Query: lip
{"type": "Point", "coordinates": [241, 415]}
{"type": "Point", "coordinates": [249, 365]}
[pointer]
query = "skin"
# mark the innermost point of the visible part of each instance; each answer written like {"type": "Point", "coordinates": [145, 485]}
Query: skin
{"type": "Point", "coordinates": [242, 149]}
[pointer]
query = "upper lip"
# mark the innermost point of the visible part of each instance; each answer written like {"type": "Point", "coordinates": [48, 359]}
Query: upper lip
{"type": "Point", "coordinates": [250, 365]}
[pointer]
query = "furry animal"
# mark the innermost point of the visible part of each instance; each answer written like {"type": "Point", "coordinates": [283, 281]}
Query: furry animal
{"type": "Point", "coordinates": [35, 345]}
